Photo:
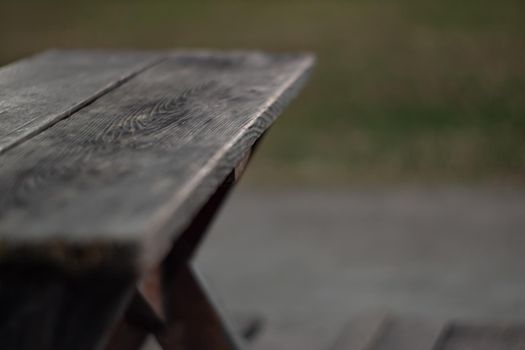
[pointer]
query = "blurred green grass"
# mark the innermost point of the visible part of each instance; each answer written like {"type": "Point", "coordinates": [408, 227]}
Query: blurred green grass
{"type": "Point", "coordinates": [404, 91]}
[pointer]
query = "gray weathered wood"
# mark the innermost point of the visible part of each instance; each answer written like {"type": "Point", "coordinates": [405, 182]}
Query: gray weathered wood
{"type": "Point", "coordinates": [131, 168]}
{"type": "Point", "coordinates": [39, 91]}
{"type": "Point", "coordinates": [464, 336]}
{"type": "Point", "coordinates": [387, 331]}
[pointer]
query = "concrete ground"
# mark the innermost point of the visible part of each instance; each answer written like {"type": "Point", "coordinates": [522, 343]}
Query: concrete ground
{"type": "Point", "coordinates": [309, 261]}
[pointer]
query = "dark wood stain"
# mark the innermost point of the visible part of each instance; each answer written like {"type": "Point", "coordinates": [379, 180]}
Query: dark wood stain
{"type": "Point", "coordinates": [43, 307]}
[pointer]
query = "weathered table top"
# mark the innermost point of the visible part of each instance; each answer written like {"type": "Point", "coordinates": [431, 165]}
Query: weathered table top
{"type": "Point", "coordinates": [109, 154]}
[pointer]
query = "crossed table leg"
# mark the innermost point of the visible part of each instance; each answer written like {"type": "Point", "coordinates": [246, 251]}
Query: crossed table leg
{"type": "Point", "coordinates": [46, 307]}
{"type": "Point", "coordinates": [193, 321]}
{"type": "Point", "coordinates": [172, 302]}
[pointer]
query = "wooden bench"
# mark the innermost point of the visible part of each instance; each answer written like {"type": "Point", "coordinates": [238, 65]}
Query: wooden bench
{"type": "Point", "coordinates": [112, 165]}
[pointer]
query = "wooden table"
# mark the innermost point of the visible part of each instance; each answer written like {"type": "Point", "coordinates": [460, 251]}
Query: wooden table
{"type": "Point", "coordinates": [112, 165]}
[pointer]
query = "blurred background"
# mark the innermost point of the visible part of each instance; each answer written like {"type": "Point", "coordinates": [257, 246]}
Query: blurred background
{"type": "Point", "coordinates": [395, 179]}
{"type": "Point", "coordinates": [404, 91]}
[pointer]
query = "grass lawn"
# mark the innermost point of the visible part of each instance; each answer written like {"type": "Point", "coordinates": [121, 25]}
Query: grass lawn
{"type": "Point", "coordinates": [404, 91]}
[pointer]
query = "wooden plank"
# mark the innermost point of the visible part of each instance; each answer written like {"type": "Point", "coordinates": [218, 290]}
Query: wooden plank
{"type": "Point", "coordinates": [459, 336]}
{"type": "Point", "coordinates": [133, 167]}
{"type": "Point", "coordinates": [381, 330]}
{"type": "Point", "coordinates": [39, 91]}
{"type": "Point", "coordinates": [387, 331]}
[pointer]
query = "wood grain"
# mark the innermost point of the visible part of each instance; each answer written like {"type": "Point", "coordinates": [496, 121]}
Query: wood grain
{"type": "Point", "coordinates": [39, 91]}
{"type": "Point", "coordinates": [133, 167]}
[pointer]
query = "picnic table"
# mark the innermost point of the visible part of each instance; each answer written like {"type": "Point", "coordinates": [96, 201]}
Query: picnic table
{"type": "Point", "coordinates": [112, 166]}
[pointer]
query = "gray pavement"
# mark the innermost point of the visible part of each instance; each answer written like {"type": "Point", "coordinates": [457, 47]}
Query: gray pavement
{"type": "Point", "coordinates": [308, 261]}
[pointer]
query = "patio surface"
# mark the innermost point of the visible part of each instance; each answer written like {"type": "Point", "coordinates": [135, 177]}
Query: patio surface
{"type": "Point", "coordinates": [309, 261]}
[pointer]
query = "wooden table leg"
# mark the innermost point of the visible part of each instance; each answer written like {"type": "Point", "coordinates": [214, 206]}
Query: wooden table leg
{"type": "Point", "coordinates": [175, 297]}
{"type": "Point", "coordinates": [195, 321]}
